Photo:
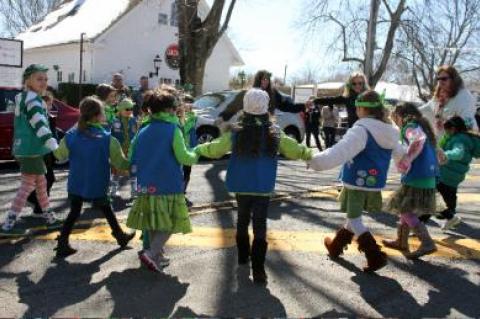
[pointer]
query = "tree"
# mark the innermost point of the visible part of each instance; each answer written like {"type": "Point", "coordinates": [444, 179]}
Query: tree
{"type": "Point", "coordinates": [19, 15]}
{"type": "Point", "coordinates": [437, 33]}
{"type": "Point", "coordinates": [359, 30]}
{"type": "Point", "coordinates": [197, 37]}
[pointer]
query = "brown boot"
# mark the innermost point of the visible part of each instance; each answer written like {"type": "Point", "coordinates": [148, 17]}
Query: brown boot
{"type": "Point", "coordinates": [427, 245]}
{"type": "Point", "coordinates": [401, 243]}
{"type": "Point", "coordinates": [336, 245]}
{"type": "Point", "coordinates": [376, 258]}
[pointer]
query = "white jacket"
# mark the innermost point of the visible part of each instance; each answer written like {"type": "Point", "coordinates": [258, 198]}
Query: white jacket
{"type": "Point", "coordinates": [355, 141]}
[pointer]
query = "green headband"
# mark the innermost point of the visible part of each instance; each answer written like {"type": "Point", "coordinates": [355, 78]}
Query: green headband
{"type": "Point", "coordinates": [379, 103]}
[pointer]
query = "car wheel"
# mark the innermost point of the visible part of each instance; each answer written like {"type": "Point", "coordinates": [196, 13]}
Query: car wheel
{"type": "Point", "coordinates": [206, 134]}
{"type": "Point", "coordinates": [293, 133]}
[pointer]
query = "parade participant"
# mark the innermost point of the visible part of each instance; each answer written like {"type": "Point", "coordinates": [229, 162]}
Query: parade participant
{"type": "Point", "coordinates": [329, 124]}
{"type": "Point", "coordinates": [459, 148]}
{"type": "Point", "coordinates": [419, 167]}
{"type": "Point", "coordinates": [108, 95]}
{"type": "Point", "coordinates": [158, 151]}
{"type": "Point", "coordinates": [90, 150]}
{"type": "Point", "coordinates": [32, 140]}
{"type": "Point", "coordinates": [251, 173]}
{"type": "Point", "coordinates": [124, 128]}
{"type": "Point", "coordinates": [49, 159]}
{"type": "Point", "coordinates": [139, 95]}
{"type": "Point", "coordinates": [188, 121]}
{"type": "Point", "coordinates": [312, 122]}
{"type": "Point", "coordinates": [123, 91]}
{"type": "Point", "coordinates": [356, 84]}
{"type": "Point", "coordinates": [365, 151]}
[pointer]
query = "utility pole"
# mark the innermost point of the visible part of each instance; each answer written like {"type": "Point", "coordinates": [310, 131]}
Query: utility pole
{"type": "Point", "coordinates": [80, 76]}
{"type": "Point", "coordinates": [371, 37]}
{"type": "Point", "coordinates": [285, 75]}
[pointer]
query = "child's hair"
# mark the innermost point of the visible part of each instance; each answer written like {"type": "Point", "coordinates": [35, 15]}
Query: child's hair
{"type": "Point", "coordinates": [103, 91]}
{"type": "Point", "coordinates": [457, 123]}
{"type": "Point", "coordinates": [409, 112]}
{"type": "Point", "coordinates": [254, 129]}
{"type": "Point", "coordinates": [378, 112]}
{"type": "Point", "coordinates": [159, 101]}
{"type": "Point", "coordinates": [90, 107]}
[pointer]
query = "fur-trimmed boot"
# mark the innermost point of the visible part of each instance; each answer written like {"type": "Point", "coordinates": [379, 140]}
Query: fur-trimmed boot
{"type": "Point", "coordinates": [342, 239]}
{"type": "Point", "coordinates": [376, 258]}
{"type": "Point", "coordinates": [259, 250]}
{"type": "Point", "coordinates": [427, 245]}
{"type": "Point", "coordinates": [243, 248]}
{"type": "Point", "coordinates": [401, 243]}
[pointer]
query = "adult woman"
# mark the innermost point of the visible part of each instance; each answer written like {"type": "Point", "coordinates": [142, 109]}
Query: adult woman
{"type": "Point", "coordinates": [450, 98]}
{"type": "Point", "coordinates": [356, 84]}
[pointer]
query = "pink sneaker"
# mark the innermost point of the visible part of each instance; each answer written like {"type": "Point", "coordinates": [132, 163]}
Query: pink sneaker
{"type": "Point", "coordinates": [148, 262]}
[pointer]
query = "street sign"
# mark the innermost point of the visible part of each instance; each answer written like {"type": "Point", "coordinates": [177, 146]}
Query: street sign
{"type": "Point", "coordinates": [11, 63]}
{"type": "Point", "coordinates": [172, 56]}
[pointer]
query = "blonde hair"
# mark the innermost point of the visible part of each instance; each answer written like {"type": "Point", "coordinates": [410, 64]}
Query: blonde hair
{"type": "Point", "coordinates": [348, 89]}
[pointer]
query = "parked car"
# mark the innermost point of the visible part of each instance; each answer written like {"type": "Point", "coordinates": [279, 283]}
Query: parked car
{"type": "Point", "coordinates": [65, 117]}
{"type": "Point", "coordinates": [227, 105]}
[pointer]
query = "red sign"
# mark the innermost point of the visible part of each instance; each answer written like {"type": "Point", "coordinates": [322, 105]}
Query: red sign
{"type": "Point", "coordinates": [172, 56]}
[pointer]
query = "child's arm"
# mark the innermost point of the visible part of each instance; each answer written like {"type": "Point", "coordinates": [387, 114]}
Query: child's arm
{"type": "Point", "coordinates": [416, 140]}
{"type": "Point", "coordinates": [216, 148]}
{"type": "Point", "coordinates": [62, 152]}
{"type": "Point", "coordinates": [292, 150]}
{"type": "Point", "coordinates": [117, 158]}
{"type": "Point", "coordinates": [456, 153]}
{"type": "Point", "coordinates": [182, 154]}
{"type": "Point", "coordinates": [352, 143]}
{"type": "Point", "coordinates": [40, 124]}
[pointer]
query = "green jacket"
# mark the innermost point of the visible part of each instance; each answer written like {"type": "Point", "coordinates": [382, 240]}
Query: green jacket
{"type": "Point", "coordinates": [110, 113]}
{"type": "Point", "coordinates": [190, 122]}
{"type": "Point", "coordinates": [32, 135]}
{"type": "Point", "coordinates": [458, 149]}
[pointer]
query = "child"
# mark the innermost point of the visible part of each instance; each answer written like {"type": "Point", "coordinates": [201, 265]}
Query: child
{"type": "Point", "coordinates": [124, 128]}
{"type": "Point", "coordinates": [108, 95]}
{"type": "Point", "coordinates": [188, 121]}
{"type": "Point", "coordinates": [158, 151]}
{"type": "Point", "coordinates": [251, 173]}
{"type": "Point", "coordinates": [416, 196]}
{"type": "Point", "coordinates": [459, 147]}
{"type": "Point", "coordinates": [32, 140]}
{"type": "Point", "coordinates": [365, 151]}
{"type": "Point", "coordinates": [91, 150]}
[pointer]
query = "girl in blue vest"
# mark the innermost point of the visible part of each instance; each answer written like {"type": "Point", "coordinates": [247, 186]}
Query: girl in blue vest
{"type": "Point", "coordinates": [251, 173]}
{"type": "Point", "coordinates": [124, 128]}
{"type": "Point", "coordinates": [91, 150]}
{"type": "Point", "coordinates": [419, 167]}
{"type": "Point", "coordinates": [365, 152]}
{"type": "Point", "coordinates": [157, 155]}
{"type": "Point", "coordinates": [459, 147]}
{"type": "Point", "coordinates": [32, 140]}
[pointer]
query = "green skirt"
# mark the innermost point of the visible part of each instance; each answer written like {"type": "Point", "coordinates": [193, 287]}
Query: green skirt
{"type": "Point", "coordinates": [355, 201]}
{"type": "Point", "coordinates": [407, 199]}
{"type": "Point", "coordinates": [166, 213]}
{"type": "Point", "coordinates": [32, 165]}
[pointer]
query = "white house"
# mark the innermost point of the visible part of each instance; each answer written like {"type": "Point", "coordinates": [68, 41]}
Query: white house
{"type": "Point", "coordinates": [119, 36]}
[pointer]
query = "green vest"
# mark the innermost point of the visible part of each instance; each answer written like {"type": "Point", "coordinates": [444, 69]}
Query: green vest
{"type": "Point", "coordinates": [25, 141]}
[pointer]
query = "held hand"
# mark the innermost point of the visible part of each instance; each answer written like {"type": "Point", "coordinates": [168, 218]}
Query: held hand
{"type": "Point", "coordinates": [404, 165]}
{"type": "Point", "coordinates": [442, 158]}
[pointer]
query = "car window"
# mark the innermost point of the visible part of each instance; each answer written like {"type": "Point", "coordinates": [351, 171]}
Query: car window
{"type": "Point", "coordinates": [209, 101]}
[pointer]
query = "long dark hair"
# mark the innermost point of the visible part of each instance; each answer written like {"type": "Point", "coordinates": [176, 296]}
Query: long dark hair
{"type": "Point", "coordinates": [257, 83]}
{"type": "Point", "coordinates": [408, 112]}
{"type": "Point", "coordinates": [253, 130]}
{"type": "Point", "coordinates": [90, 107]}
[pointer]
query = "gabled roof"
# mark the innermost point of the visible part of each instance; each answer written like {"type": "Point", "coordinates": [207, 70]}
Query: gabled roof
{"type": "Point", "coordinates": [65, 24]}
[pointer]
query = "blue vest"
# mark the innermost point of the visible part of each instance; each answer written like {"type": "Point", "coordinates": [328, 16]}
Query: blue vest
{"type": "Point", "coordinates": [158, 171]}
{"type": "Point", "coordinates": [369, 168]}
{"type": "Point", "coordinates": [118, 129]}
{"type": "Point", "coordinates": [89, 155]}
{"type": "Point", "coordinates": [251, 174]}
{"type": "Point", "coordinates": [424, 166]}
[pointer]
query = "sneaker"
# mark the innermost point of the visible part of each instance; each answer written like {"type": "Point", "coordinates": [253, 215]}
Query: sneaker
{"type": "Point", "coordinates": [148, 262]}
{"type": "Point", "coordinates": [9, 222]}
{"type": "Point", "coordinates": [51, 220]}
{"type": "Point", "coordinates": [451, 223]}
{"type": "Point", "coordinates": [162, 261]}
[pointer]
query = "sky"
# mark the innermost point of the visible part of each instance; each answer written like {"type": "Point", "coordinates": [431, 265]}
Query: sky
{"type": "Point", "coordinates": [268, 37]}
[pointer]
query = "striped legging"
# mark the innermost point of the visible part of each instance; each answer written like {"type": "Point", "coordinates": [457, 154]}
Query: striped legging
{"type": "Point", "coordinates": [30, 182]}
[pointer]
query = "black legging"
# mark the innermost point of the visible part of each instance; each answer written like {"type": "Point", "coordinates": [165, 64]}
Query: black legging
{"type": "Point", "coordinates": [329, 136]}
{"type": "Point", "coordinates": [254, 208]}
{"type": "Point", "coordinates": [187, 170]}
{"type": "Point", "coordinates": [315, 132]}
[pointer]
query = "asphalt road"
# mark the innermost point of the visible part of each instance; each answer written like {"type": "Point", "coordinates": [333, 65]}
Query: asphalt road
{"type": "Point", "coordinates": [203, 279]}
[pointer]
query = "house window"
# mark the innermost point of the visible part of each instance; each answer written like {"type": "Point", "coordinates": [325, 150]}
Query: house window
{"type": "Point", "coordinates": [59, 76]}
{"type": "Point", "coordinates": [173, 15]}
{"type": "Point", "coordinates": [177, 82]}
{"type": "Point", "coordinates": [162, 18]}
{"type": "Point", "coordinates": [71, 77]}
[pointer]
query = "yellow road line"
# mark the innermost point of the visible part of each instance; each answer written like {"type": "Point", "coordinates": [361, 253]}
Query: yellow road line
{"type": "Point", "coordinates": [298, 241]}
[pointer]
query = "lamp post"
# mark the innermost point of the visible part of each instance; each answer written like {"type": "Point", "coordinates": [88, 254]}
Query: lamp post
{"type": "Point", "coordinates": [80, 76]}
{"type": "Point", "coordinates": [157, 63]}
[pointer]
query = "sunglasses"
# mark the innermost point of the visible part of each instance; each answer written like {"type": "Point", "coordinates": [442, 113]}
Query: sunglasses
{"type": "Point", "coordinates": [443, 78]}
{"type": "Point", "coordinates": [358, 83]}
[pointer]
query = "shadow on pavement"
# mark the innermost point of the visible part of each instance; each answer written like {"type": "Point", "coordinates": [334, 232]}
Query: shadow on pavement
{"type": "Point", "coordinates": [63, 284]}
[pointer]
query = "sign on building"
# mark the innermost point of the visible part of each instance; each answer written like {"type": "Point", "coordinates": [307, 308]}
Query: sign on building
{"type": "Point", "coordinates": [172, 56]}
{"type": "Point", "coordinates": [11, 63]}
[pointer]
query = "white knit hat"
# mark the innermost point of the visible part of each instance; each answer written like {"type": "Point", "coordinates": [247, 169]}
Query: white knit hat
{"type": "Point", "coordinates": [256, 102]}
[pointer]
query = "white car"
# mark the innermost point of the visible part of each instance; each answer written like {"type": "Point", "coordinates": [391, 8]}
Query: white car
{"type": "Point", "coordinates": [227, 105]}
